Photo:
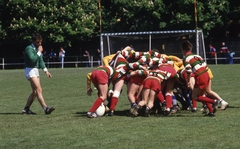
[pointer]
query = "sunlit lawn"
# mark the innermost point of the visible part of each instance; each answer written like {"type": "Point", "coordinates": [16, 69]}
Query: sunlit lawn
{"type": "Point", "coordinates": [68, 126]}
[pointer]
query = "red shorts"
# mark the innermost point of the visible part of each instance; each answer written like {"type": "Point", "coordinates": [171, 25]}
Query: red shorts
{"type": "Point", "coordinates": [137, 79]}
{"type": "Point", "coordinates": [153, 84]}
{"type": "Point", "coordinates": [99, 77]}
{"type": "Point", "coordinates": [168, 68]}
{"type": "Point", "coordinates": [202, 81]}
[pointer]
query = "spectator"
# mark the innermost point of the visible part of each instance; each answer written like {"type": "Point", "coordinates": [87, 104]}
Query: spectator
{"type": "Point", "coordinates": [45, 57]}
{"type": "Point", "coordinates": [231, 54]}
{"type": "Point", "coordinates": [33, 61]}
{"type": "Point", "coordinates": [61, 56]}
{"type": "Point", "coordinates": [87, 58]}
{"type": "Point", "coordinates": [212, 51]}
{"type": "Point", "coordinates": [99, 57]}
{"type": "Point", "coordinates": [52, 57]}
{"type": "Point", "coordinates": [224, 52]}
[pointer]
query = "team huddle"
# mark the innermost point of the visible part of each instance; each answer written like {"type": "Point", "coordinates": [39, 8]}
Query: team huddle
{"type": "Point", "coordinates": [154, 80]}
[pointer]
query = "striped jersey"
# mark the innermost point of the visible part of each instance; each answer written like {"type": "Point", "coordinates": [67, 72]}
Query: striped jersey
{"type": "Point", "coordinates": [195, 63]}
{"type": "Point", "coordinates": [113, 75]}
{"type": "Point", "coordinates": [162, 75]}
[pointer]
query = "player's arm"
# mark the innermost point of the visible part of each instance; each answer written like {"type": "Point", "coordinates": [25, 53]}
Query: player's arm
{"type": "Point", "coordinates": [106, 59]}
{"type": "Point", "coordinates": [89, 89]}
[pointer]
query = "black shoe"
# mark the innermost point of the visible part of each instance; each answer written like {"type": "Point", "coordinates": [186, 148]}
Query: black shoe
{"type": "Point", "coordinates": [214, 105]}
{"type": "Point", "coordinates": [147, 113]}
{"type": "Point", "coordinates": [134, 110]}
{"type": "Point", "coordinates": [167, 112]}
{"type": "Point", "coordinates": [163, 106]}
{"type": "Point", "coordinates": [49, 110]}
{"type": "Point", "coordinates": [210, 114]}
{"type": "Point", "coordinates": [28, 112]}
{"type": "Point", "coordinates": [110, 113]}
{"type": "Point", "coordinates": [91, 115]}
{"type": "Point", "coordinates": [194, 110]}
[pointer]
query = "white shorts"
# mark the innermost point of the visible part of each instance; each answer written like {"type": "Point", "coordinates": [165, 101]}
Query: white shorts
{"type": "Point", "coordinates": [31, 72]}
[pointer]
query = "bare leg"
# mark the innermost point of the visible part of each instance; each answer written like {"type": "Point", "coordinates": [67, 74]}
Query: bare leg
{"type": "Point", "coordinates": [152, 97]}
{"type": "Point", "coordinates": [36, 87]}
{"type": "Point", "coordinates": [103, 90]}
{"type": "Point", "coordinates": [211, 93]}
{"type": "Point", "coordinates": [145, 95]}
{"type": "Point", "coordinates": [214, 95]}
{"type": "Point", "coordinates": [132, 89]}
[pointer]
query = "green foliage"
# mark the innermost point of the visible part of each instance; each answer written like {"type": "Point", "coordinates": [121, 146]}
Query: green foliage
{"type": "Point", "coordinates": [150, 15]}
{"type": "Point", "coordinates": [68, 22]}
{"type": "Point", "coordinates": [59, 22]}
{"type": "Point", "coordinates": [68, 126]}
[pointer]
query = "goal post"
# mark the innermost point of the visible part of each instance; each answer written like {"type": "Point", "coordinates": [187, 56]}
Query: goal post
{"type": "Point", "coordinates": [167, 42]}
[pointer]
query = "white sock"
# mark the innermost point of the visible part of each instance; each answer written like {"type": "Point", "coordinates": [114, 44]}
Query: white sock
{"type": "Point", "coordinates": [223, 102]}
{"type": "Point", "coordinates": [45, 107]}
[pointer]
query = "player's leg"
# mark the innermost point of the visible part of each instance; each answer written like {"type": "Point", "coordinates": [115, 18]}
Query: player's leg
{"type": "Point", "coordinates": [102, 96]}
{"type": "Point", "coordinates": [116, 93]}
{"type": "Point", "coordinates": [36, 86]}
{"type": "Point", "coordinates": [152, 96]}
{"type": "Point", "coordinates": [132, 90]}
{"type": "Point", "coordinates": [30, 100]}
{"type": "Point", "coordinates": [214, 95]}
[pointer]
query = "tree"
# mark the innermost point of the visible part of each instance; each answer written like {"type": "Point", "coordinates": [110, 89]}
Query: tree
{"type": "Point", "coordinates": [58, 21]}
{"type": "Point", "coordinates": [148, 15]}
{"type": "Point", "coordinates": [234, 19]}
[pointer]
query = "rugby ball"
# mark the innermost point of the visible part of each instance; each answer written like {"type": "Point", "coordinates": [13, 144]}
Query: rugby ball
{"type": "Point", "coordinates": [100, 110]}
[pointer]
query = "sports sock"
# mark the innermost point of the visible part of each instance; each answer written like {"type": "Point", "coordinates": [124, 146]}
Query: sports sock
{"type": "Point", "coordinates": [147, 108]}
{"type": "Point", "coordinates": [205, 99]}
{"type": "Point", "coordinates": [45, 107]}
{"type": "Point", "coordinates": [194, 103]}
{"type": "Point", "coordinates": [96, 104]}
{"type": "Point", "coordinates": [168, 101]}
{"type": "Point", "coordinates": [220, 101]}
{"type": "Point", "coordinates": [160, 97]}
{"type": "Point", "coordinates": [188, 99]}
{"type": "Point", "coordinates": [174, 100]}
{"type": "Point", "coordinates": [26, 108]}
{"type": "Point", "coordinates": [209, 106]}
{"type": "Point", "coordinates": [133, 104]}
{"type": "Point", "coordinates": [113, 103]}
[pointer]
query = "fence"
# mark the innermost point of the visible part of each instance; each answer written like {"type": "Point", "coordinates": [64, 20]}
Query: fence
{"type": "Point", "coordinates": [71, 61]}
{"type": "Point", "coordinates": [78, 61]}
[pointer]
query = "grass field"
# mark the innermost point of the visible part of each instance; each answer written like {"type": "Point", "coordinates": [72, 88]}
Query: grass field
{"type": "Point", "coordinates": [68, 126]}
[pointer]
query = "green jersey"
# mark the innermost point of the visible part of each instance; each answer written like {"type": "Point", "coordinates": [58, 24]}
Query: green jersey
{"type": "Point", "coordinates": [33, 58]}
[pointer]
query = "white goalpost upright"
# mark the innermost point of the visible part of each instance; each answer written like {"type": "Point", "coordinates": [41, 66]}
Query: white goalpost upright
{"type": "Point", "coordinates": [167, 42]}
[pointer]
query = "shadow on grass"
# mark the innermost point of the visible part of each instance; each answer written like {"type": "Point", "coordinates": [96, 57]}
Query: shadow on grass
{"type": "Point", "coordinates": [8, 113]}
{"type": "Point", "coordinates": [232, 107]}
{"type": "Point", "coordinates": [116, 113]}
{"type": "Point", "coordinates": [125, 113]}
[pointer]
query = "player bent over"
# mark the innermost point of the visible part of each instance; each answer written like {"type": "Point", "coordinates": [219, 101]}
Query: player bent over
{"type": "Point", "coordinates": [101, 77]}
{"type": "Point", "coordinates": [151, 87]}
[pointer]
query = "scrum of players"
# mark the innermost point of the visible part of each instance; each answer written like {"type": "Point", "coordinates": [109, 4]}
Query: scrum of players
{"type": "Point", "coordinates": [156, 83]}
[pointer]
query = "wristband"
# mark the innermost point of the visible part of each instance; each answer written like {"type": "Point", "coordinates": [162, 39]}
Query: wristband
{"type": "Point", "coordinates": [39, 53]}
{"type": "Point", "coordinates": [45, 70]}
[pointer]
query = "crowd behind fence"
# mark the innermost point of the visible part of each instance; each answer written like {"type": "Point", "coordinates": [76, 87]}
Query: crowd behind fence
{"type": "Point", "coordinates": [79, 61]}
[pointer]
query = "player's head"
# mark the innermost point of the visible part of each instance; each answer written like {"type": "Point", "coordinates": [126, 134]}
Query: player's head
{"type": "Point", "coordinates": [186, 46]}
{"type": "Point", "coordinates": [37, 39]}
{"type": "Point", "coordinates": [155, 50]}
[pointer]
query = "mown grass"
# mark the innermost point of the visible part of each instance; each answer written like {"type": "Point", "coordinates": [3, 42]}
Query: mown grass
{"type": "Point", "coordinates": [68, 126]}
